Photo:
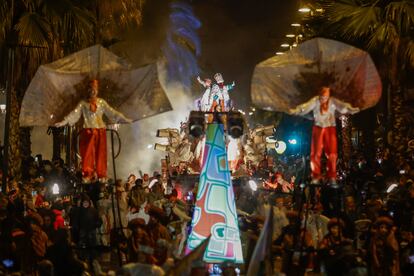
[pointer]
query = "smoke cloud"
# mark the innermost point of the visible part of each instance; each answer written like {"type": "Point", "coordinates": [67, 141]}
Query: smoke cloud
{"type": "Point", "coordinates": [136, 138]}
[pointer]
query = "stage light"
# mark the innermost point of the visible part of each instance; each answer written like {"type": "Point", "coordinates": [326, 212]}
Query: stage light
{"type": "Point", "coordinates": [265, 130]}
{"type": "Point", "coordinates": [290, 35]}
{"type": "Point", "coordinates": [253, 185]}
{"type": "Point", "coordinates": [280, 53]}
{"type": "Point", "coordinates": [285, 45]}
{"type": "Point", "coordinates": [235, 124]}
{"type": "Point", "coordinates": [167, 132]}
{"type": "Point", "coordinates": [293, 141]}
{"type": "Point", "coordinates": [165, 148]}
{"type": "Point", "coordinates": [196, 123]}
{"type": "Point", "coordinates": [278, 146]}
{"type": "Point", "coordinates": [55, 189]}
{"type": "Point", "coordinates": [295, 25]}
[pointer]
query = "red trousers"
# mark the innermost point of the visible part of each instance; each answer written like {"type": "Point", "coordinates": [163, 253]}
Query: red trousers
{"type": "Point", "coordinates": [324, 138]}
{"type": "Point", "coordinates": [92, 148]}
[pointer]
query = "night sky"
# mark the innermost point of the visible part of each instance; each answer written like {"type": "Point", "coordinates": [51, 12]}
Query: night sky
{"type": "Point", "coordinates": [235, 36]}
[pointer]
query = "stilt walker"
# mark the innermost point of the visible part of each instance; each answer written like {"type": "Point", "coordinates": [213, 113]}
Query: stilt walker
{"type": "Point", "coordinates": [324, 136]}
{"type": "Point", "coordinates": [92, 139]}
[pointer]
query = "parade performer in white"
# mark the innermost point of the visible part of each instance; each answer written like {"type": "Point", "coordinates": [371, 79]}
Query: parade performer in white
{"type": "Point", "coordinates": [324, 131]}
{"type": "Point", "coordinates": [224, 91]}
{"type": "Point", "coordinates": [92, 139]}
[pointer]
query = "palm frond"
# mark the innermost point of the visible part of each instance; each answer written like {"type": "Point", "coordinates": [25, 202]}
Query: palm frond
{"type": "Point", "coordinates": [78, 27]}
{"type": "Point", "coordinates": [54, 10]}
{"type": "Point", "coordinates": [410, 53]}
{"type": "Point", "coordinates": [120, 13]}
{"type": "Point", "coordinates": [6, 20]}
{"type": "Point", "coordinates": [385, 36]}
{"type": "Point", "coordinates": [33, 30]}
{"type": "Point", "coordinates": [355, 19]}
{"type": "Point", "coordinates": [402, 13]}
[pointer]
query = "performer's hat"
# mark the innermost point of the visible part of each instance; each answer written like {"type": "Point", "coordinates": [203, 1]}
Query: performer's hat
{"type": "Point", "coordinates": [94, 82]}
{"type": "Point", "coordinates": [219, 78]}
{"type": "Point", "coordinates": [325, 91]}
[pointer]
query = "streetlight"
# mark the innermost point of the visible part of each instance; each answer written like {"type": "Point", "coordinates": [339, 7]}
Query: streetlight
{"type": "Point", "coordinates": [304, 10]}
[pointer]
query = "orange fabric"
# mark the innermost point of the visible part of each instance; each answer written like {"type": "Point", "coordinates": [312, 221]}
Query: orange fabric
{"type": "Point", "coordinates": [324, 106]}
{"type": "Point", "coordinates": [324, 138]}
{"type": "Point", "coordinates": [92, 147]}
{"type": "Point", "coordinates": [92, 104]}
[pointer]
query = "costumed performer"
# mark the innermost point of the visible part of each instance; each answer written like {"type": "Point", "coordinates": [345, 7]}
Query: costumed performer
{"type": "Point", "coordinates": [224, 91]}
{"type": "Point", "coordinates": [205, 99]}
{"type": "Point", "coordinates": [92, 139]}
{"type": "Point", "coordinates": [324, 131]}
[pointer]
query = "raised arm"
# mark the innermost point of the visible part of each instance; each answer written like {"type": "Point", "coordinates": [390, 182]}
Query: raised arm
{"type": "Point", "coordinates": [114, 115]}
{"type": "Point", "coordinates": [343, 107]}
{"type": "Point", "coordinates": [304, 108]}
{"type": "Point", "coordinates": [203, 83]}
{"type": "Point", "coordinates": [230, 86]}
{"type": "Point", "coordinates": [73, 117]}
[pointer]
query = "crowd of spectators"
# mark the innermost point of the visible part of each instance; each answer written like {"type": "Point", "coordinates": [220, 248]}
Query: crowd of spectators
{"type": "Point", "coordinates": [365, 227]}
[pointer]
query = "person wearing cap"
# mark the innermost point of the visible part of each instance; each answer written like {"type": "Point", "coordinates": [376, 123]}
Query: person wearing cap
{"type": "Point", "coordinates": [324, 136]}
{"type": "Point", "coordinates": [137, 196]}
{"type": "Point", "coordinates": [92, 139]}
{"type": "Point", "coordinates": [87, 221]}
{"type": "Point", "coordinates": [332, 246]}
{"type": "Point", "coordinates": [384, 248]}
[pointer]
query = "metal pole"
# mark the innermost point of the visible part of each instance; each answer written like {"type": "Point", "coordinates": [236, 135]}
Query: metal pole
{"type": "Point", "coordinates": [117, 201]}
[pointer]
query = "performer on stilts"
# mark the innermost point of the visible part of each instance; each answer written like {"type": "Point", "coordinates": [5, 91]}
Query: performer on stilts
{"type": "Point", "coordinates": [92, 139]}
{"type": "Point", "coordinates": [324, 131]}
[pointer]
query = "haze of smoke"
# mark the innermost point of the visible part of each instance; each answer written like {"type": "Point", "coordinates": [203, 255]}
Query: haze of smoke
{"type": "Point", "coordinates": [135, 155]}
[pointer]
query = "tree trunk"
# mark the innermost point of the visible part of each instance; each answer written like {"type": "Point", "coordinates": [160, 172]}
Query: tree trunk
{"type": "Point", "coordinates": [25, 142]}
{"type": "Point", "coordinates": [398, 139]}
{"type": "Point", "coordinates": [14, 157]}
{"type": "Point", "coordinates": [57, 134]}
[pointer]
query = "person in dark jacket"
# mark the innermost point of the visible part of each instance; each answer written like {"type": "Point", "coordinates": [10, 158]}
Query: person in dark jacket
{"type": "Point", "coordinates": [87, 220]}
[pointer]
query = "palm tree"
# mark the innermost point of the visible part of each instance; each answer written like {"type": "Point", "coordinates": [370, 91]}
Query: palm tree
{"type": "Point", "coordinates": [32, 33]}
{"type": "Point", "coordinates": [385, 29]}
{"type": "Point", "coordinates": [39, 31]}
